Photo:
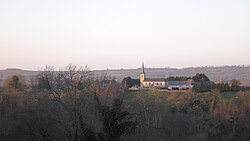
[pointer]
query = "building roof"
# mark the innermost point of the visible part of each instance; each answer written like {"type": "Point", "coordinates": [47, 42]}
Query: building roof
{"type": "Point", "coordinates": [179, 83]}
{"type": "Point", "coordinates": [155, 79]}
{"type": "Point", "coordinates": [245, 84]}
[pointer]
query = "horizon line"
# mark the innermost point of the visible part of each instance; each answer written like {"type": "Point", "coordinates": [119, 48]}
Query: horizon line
{"type": "Point", "coordinates": [168, 67]}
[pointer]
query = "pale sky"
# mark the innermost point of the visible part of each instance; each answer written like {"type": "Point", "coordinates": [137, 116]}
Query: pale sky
{"type": "Point", "coordinates": [122, 33]}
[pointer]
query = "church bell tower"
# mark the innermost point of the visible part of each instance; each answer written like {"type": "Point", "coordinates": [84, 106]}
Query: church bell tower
{"type": "Point", "coordinates": [142, 75]}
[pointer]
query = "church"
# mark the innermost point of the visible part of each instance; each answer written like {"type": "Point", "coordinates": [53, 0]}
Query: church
{"type": "Point", "coordinates": [163, 82]}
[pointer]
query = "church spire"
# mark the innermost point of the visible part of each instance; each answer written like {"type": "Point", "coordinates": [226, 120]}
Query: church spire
{"type": "Point", "coordinates": [143, 71]}
{"type": "Point", "coordinates": [142, 75]}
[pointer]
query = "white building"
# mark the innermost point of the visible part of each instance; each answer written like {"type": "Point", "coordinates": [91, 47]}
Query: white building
{"type": "Point", "coordinates": [163, 82]}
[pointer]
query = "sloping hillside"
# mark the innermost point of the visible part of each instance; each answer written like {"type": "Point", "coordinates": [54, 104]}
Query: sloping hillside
{"type": "Point", "coordinates": [224, 73]}
{"type": "Point", "coordinates": [214, 73]}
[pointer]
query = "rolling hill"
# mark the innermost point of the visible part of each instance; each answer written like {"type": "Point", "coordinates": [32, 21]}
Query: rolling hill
{"type": "Point", "coordinates": [223, 73]}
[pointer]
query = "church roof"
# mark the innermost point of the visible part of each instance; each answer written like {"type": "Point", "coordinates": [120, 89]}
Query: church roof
{"type": "Point", "coordinates": [179, 83]}
{"type": "Point", "coordinates": [154, 79]}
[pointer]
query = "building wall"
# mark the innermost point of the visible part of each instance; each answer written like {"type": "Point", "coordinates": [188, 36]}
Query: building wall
{"type": "Point", "coordinates": [179, 87]}
{"type": "Point", "coordinates": [142, 77]}
{"type": "Point", "coordinates": [163, 84]}
{"type": "Point", "coordinates": [154, 84]}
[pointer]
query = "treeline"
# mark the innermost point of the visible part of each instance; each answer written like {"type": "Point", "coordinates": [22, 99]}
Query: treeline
{"type": "Point", "coordinates": [190, 121]}
{"type": "Point", "coordinates": [74, 105]}
{"type": "Point", "coordinates": [203, 84]}
{"type": "Point", "coordinates": [233, 85]}
{"type": "Point", "coordinates": [129, 82]}
{"type": "Point", "coordinates": [178, 78]}
{"type": "Point", "coordinates": [67, 105]}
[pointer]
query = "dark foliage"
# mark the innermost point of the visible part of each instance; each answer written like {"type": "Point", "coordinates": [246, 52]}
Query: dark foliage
{"type": "Point", "coordinates": [43, 83]}
{"type": "Point", "coordinates": [129, 82]}
{"type": "Point", "coordinates": [202, 83]}
{"type": "Point", "coordinates": [203, 86]}
{"type": "Point", "coordinates": [200, 77]}
{"type": "Point", "coordinates": [74, 109]}
{"type": "Point", "coordinates": [180, 78]}
{"type": "Point", "coordinates": [234, 86]}
{"type": "Point", "coordinates": [115, 121]}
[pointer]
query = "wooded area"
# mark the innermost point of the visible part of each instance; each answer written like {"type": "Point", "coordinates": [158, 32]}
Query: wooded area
{"type": "Point", "coordinates": [74, 105]}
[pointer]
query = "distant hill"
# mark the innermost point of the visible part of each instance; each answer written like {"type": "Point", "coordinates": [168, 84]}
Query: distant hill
{"type": "Point", "coordinates": [223, 73]}
{"type": "Point", "coordinates": [9, 72]}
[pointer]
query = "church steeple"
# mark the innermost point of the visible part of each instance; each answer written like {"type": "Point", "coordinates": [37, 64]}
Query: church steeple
{"type": "Point", "coordinates": [143, 71]}
{"type": "Point", "coordinates": [142, 75]}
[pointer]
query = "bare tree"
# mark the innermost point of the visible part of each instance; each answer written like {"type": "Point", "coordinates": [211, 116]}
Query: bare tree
{"type": "Point", "coordinates": [69, 88]}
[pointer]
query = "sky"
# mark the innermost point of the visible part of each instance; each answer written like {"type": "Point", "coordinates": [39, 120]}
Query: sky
{"type": "Point", "coordinates": [114, 34]}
